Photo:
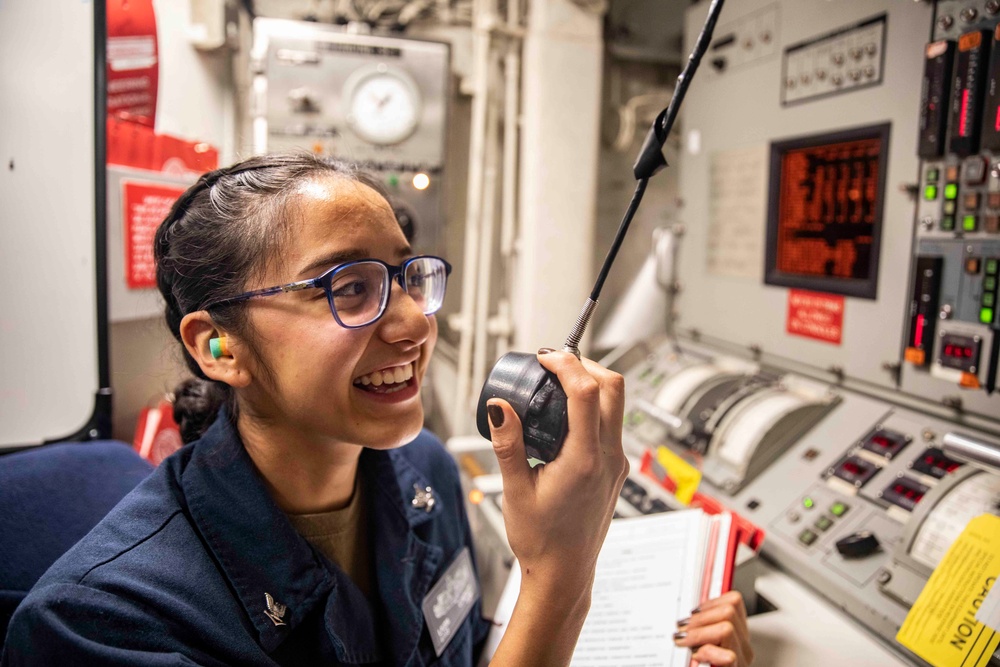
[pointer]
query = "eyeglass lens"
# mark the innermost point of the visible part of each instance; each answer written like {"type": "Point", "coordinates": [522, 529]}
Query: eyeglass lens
{"type": "Point", "coordinates": [359, 292]}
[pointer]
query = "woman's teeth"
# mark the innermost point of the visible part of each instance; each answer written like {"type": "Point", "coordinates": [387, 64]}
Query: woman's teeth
{"type": "Point", "coordinates": [391, 376]}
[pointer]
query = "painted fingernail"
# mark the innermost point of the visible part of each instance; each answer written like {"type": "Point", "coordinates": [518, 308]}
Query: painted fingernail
{"type": "Point", "coordinates": [545, 350]}
{"type": "Point", "coordinates": [496, 415]}
{"type": "Point", "coordinates": [684, 621]}
{"type": "Point", "coordinates": [696, 610]}
{"type": "Point", "coordinates": [679, 636]}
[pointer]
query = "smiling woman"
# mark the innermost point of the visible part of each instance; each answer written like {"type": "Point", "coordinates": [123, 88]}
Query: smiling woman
{"type": "Point", "coordinates": [312, 520]}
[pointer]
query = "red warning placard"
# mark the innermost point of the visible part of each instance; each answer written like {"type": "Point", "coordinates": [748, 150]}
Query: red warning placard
{"type": "Point", "coordinates": [815, 315]}
{"type": "Point", "coordinates": [144, 206]}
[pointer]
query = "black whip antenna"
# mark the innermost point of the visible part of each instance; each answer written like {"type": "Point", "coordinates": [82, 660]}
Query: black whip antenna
{"type": "Point", "coordinates": [649, 163]}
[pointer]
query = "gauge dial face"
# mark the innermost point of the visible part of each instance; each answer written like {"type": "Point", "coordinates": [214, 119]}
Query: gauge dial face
{"type": "Point", "coordinates": [383, 105]}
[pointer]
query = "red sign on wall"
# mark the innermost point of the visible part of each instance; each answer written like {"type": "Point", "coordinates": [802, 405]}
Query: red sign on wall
{"type": "Point", "coordinates": [144, 206]}
{"type": "Point", "coordinates": [815, 315]}
{"type": "Point", "coordinates": [133, 60]}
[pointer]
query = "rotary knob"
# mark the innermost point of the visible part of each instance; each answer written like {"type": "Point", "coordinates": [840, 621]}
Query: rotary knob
{"type": "Point", "coordinates": [858, 545]}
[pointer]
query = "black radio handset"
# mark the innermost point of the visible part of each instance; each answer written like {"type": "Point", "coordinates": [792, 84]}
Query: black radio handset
{"type": "Point", "coordinates": [533, 392]}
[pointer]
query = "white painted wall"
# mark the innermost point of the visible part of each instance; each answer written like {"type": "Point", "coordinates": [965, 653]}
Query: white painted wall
{"type": "Point", "coordinates": [196, 99]}
{"type": "Point", "coordinates": [559, 156]}
{"type": "Point", "coordinates": [48, 327]}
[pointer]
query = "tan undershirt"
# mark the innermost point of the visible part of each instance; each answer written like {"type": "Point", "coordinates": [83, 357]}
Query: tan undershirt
{"type": "Point", "coordinates": [341, 536]}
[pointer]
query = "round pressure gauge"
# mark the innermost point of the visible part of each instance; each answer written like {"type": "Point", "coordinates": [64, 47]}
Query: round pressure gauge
{"type": "Point", "coordinates": [382, 104]}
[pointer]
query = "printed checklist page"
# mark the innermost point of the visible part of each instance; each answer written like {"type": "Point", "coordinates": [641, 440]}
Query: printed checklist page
{"type": "Point", "coordinates": [648, 578]}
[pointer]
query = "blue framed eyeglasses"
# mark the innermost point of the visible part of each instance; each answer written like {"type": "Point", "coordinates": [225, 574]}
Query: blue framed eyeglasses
{"type": "Point", "coordinates": [358, 291]}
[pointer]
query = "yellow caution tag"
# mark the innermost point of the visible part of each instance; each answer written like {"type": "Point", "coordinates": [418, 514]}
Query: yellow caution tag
{"type": "Point", "coordinates": [684, 475]}
{"type": "Point", "coordinates": [941, 627]}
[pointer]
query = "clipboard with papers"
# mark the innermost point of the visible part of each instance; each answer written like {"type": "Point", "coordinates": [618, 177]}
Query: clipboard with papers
{"type": "Point", "coordinates": [652, 571]}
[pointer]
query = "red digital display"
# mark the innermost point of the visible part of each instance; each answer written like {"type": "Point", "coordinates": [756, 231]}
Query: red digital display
{"type": "Point", "coordinates": [941, 463]}
{"type": "Point", "coordinates": [852, 468]}
{"type": "Point", "coordinates": [958, 351]}
{"type": "Point", "coordinates": [882, 441]}
{"type": "Point", "coordinates": [907, 492]}
{"type": "Point", "coordinates": [828, 209]}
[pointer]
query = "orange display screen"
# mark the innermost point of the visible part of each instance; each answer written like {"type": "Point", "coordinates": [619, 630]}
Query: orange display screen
{"type": "Point", "coordinates": [826, 217]}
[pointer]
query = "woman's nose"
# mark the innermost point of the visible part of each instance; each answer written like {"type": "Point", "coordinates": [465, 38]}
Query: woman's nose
{"type": "Point", "coordinates": [404, 318]}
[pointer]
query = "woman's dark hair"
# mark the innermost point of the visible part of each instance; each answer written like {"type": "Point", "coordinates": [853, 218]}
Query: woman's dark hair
{"type": "Point", "coordinates": [220, 234]}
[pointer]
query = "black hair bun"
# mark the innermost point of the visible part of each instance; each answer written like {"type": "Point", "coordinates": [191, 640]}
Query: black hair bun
{"type": "Point", "coordinates": [196, 405]}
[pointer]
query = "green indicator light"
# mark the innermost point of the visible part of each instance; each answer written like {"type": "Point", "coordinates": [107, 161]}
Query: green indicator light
{"type": "Point", "coordinates": [951, 191]}
{"type": "Point", "coordinates": [932, 175]}
{"type": "Point", "coordinates": [393, 180]}
{"type": "Point", "coordinates": [930, 192]}
{"type": "Point", "coordinates": [991, 267]}
{"type": "Point", "coordinates": [949, 208]}
{"type": "Point", "coordinates": [969, 223]}
{"type": "Point", "coordinates": [988, 299]}
{"type": "Point", "coordinates": [808, 503]}
{"type": "Point", "coordinates": [989, 283]}
{"type": "Point", "coordinates": [986, 315]}
{"type": "Point", "coordinates": [838, 509]}
{"type": "Point", "coordinates": [947, 223]}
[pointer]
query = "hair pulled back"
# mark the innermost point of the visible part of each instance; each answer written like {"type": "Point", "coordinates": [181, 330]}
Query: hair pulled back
{"type": "Point", "coordinates": [221, 233]}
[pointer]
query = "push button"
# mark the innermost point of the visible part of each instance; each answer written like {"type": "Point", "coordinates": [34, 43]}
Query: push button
{"type": "Point", "coordinates": [807, 537]}
{"type": "Point", "coordinates": [970, 223]}
{"type": "Point", "coordinates": [839, 509]}
{"type": "Point", "coordinates": [971, 201]}
{"type": "Point", "coordinates": [823, 523]}
{"type": "Point", "coordinates": [949, 208]}
{"type": "Point", "coordinates": [951, 191]}
{"type": "Point", "coordinates": [948, 223]}
{"type": "Point", "coordinates": [975, 170]}
{"type": "Point", "coordinates": [933, 174]}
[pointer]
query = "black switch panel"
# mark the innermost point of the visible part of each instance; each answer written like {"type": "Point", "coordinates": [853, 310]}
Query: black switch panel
{"type": "Point", "coordinates": [967, 95]}
{"type": "Point", "coordinates": [939, 59]}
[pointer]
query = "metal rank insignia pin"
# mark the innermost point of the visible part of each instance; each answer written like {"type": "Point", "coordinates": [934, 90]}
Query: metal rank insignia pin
{"type": "Point", "coordinates": [423, 498]}
{"type": "Point", "coordinates": [275, 610]}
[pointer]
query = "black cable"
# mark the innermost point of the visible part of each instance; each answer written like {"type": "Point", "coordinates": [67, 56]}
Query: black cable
{"type": "Point", "coordinates": [640, 189]}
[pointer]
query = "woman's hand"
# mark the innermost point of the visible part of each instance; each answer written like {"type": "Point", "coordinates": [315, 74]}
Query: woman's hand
{"type": "Point", "coordinates": [558, 514]}
{"type": "Point", "coordinates": [717, 632]}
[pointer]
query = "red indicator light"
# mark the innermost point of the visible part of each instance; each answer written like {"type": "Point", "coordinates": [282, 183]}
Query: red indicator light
{"type": "Point", "coordinates": [996, 124]}
{"type": "Point", "coordinates": [918, 336]}
{"type": "Point", "coordinates": [963, 116]}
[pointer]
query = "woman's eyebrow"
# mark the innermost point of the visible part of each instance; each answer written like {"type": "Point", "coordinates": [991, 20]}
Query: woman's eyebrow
{"type": "Point", "coordinates": [341, 256]}
{"type": "Point", "coordinates": [332, 259]}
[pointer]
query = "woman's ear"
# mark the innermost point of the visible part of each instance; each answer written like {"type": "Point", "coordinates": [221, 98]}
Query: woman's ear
{"type": "Point", "coordinates": [217, 353]}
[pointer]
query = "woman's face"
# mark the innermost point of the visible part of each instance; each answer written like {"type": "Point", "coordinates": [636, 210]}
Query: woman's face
{"type": "Point", "coordinates": [322, 380]}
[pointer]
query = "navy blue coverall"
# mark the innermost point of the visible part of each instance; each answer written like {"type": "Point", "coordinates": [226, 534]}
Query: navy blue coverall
{"type": "Point", "coordinates": [180, 572]}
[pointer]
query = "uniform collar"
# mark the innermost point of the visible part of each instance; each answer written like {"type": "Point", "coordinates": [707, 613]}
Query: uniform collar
{"type": "Point", "coordinates": [262, 554]}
